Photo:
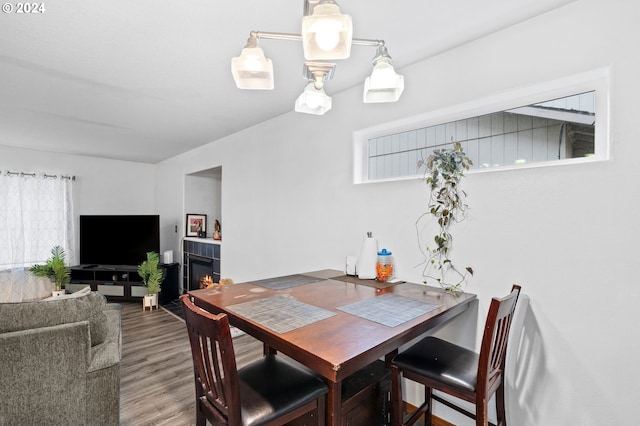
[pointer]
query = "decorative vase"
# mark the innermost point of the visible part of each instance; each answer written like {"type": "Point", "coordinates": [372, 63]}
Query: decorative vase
{"type": "Point", "coordinates": [57, 293]}
{"type": "Point", "coordinates": [150, 300]}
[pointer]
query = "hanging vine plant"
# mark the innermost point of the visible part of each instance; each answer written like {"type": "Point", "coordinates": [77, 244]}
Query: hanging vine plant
{"type": "Point", "coordinates": [445, 170]}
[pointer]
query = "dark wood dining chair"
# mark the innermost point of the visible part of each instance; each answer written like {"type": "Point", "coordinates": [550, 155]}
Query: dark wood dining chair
{"type": "Point", "coordinates": [454, 370]}
{"type": "Point", "coordinates": [270, 391]}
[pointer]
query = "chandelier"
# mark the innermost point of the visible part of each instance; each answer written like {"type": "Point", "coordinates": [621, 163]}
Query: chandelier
{"type": "Point", "coordinates": [326, 35]}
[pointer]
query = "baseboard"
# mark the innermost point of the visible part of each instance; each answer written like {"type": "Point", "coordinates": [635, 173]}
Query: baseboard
{"type": "Point", "coordinates": [435, 420]}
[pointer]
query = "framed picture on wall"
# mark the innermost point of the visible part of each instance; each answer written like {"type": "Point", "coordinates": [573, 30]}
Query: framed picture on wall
{"type": "Point", "coordinates": [196, 225]}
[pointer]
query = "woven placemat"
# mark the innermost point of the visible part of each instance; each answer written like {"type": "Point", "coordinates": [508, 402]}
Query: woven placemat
{"type": "Point", "coordinates": [289, 281]}
{"type": "Point", "coordinates": [389, 309]}
{"type": "Point", "coordinates": [280, 313]}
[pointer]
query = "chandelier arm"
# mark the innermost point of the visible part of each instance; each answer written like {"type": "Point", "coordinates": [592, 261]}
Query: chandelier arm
{"type": "Point", "coordinates": [276, 36]}
{"type": "Point", "coordinates": [367, 42]}
{"type": "Point", "coordinates": [289, 36]}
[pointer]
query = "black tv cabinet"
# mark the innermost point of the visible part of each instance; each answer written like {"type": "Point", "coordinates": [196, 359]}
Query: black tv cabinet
{"type": "Point", "coordinates": [121, 282]}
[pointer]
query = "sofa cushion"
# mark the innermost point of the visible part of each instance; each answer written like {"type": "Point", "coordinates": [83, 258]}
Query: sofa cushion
{"type": "Point", "coordinates": [62, 310]}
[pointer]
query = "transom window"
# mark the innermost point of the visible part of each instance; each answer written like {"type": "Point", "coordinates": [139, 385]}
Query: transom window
{"type": "Point", "coordinates": [554, 131]}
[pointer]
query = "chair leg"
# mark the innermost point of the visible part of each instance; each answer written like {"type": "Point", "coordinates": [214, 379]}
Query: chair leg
{"type": "Point", "coordinates": [322, 408]}
{"type": "Point", "coordinates": [201, 420]}
{"type": "Point", "coordinates": [482, 417]}
{"type": "Point", "coordinates": [428, 414]}
{"type": "Point", "coordinates": [397, 410]}
{"type": "Point", "coordinates": [500, 406]}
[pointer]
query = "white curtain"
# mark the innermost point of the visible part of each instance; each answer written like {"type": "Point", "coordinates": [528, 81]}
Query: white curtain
{"type": "Point", "coordinates": [36, 214]}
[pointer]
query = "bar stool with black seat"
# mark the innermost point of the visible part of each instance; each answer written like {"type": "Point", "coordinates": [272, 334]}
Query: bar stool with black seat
{"type": "Point", "coordinates": [269, 391]}
{"type": "Point", "coordinates": [454, 370]}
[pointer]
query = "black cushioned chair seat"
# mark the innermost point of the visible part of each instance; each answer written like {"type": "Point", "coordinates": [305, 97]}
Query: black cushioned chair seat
{"type": "Point", "coordinates": [271, 387]}
{"type": "Point", "coordinates": [442, 361]}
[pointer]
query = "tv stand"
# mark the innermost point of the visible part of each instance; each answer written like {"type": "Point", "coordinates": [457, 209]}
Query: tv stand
{"type": "Point", "coordinates": [121, 282]}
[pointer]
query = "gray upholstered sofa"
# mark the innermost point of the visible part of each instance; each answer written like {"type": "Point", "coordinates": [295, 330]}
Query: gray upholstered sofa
{"type": "Point", "coordinates": [60, 361]}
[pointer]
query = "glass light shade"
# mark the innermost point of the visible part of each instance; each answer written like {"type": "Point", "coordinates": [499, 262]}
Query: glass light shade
{"type": "Point", "coordinates": [326, 34]}
{"type": "Point", "coordinates": [251, 70]}
{"type": "Point", "coordinates": [383, 85]}
{"type": "Point", "coordinates": [313, 101]}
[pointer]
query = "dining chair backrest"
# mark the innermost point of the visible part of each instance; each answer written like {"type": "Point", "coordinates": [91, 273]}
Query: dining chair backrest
{"type": "Point", "coordinates": [493, 349]}
{"type": "Point", "coordinates": [215, 370]}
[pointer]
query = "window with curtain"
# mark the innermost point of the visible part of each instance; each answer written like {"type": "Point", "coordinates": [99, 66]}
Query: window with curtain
{"type": "Point", "coordinates": [36, 214]}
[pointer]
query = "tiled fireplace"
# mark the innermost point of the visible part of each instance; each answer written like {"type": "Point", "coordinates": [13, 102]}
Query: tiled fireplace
{"type": "Point", "coordinates": [201, 263]}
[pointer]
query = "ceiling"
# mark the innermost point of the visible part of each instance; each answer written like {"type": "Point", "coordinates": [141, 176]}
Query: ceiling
{"type": "Point", "coordinates": [146, 80]}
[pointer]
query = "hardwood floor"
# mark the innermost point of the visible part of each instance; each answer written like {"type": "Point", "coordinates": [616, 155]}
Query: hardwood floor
{"type": "Point", "coordinates": [156, 370]}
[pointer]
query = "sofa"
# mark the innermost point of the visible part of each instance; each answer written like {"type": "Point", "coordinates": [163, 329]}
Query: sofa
{"type": "Point", "coordinates": [60, 361]}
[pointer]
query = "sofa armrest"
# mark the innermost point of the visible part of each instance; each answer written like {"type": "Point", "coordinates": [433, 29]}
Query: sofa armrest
{"type": "Point", "coordinates": [43, 374]}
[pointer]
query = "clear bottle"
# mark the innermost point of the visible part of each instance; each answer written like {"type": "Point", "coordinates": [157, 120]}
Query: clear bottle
{"type": "Point", "coordinates": [384, 266]}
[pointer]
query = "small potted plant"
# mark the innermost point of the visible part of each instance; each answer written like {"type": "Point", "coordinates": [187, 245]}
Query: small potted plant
{"type": "Point", "coordinates": [55, 270]}
{"type": "Point", "coordinates": [445, 170]}
{"type": "Point", "coordinates": [152, 276]}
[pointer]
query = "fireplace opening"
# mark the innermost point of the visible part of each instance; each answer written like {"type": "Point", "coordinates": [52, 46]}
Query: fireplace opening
{"type": "Point", "coordinates": [200, 272]}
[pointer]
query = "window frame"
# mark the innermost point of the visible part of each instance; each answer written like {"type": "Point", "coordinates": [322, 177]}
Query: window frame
{"type": "Point", "coordinates": [596, 80]}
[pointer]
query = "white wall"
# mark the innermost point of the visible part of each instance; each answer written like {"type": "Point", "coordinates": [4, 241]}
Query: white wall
{"type": "Point", "coordinates": [101, 186]}
{"type": "Point", "coordinates": [565, 233]}
{"type": "Point", "coordinates": [202, 196]}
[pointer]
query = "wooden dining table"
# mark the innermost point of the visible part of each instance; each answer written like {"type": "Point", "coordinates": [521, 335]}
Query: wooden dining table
{"type": "Point", "coordinates": [332, 323]}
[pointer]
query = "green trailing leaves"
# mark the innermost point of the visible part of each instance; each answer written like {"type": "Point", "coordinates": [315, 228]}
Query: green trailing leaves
{"type": "Point", "coordinates": [445, 170]}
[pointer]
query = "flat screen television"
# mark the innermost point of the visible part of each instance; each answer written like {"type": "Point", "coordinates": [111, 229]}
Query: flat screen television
{"type": "Point", "coordinates": [118, 239]}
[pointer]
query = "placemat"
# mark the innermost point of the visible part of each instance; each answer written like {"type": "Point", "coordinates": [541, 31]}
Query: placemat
{"type": "Point", "coordinates": [389, 309]}
{"type": "Point", "coordinates": [280, 313]}
{"type": "Point", "coordinates": [369, 283]}
{"type": "Point", "coordinates": [289, 281]}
